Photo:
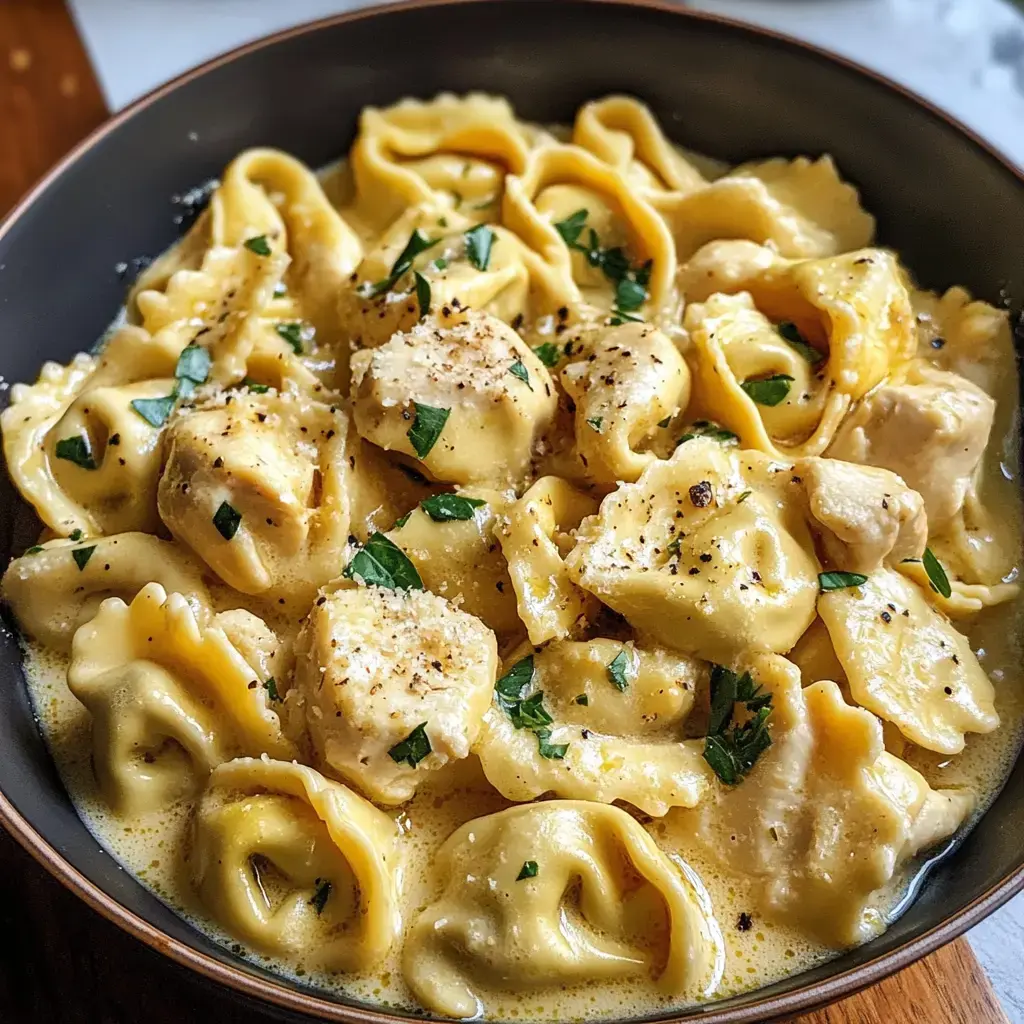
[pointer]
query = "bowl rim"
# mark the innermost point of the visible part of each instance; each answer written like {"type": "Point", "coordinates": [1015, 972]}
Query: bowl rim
{"type": "Point", "coordinates": [809, 996]}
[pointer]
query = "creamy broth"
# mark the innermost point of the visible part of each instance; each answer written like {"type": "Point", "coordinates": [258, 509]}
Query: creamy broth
{"type": "Point", "coordinates": [562, 309]}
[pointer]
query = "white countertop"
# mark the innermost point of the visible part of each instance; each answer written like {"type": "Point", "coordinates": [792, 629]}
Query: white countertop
{"type": "Point", "coordinates": [964, 55]}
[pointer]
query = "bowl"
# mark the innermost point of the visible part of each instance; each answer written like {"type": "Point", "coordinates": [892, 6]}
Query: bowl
{"type": "Point", "coordinates": [950, 204]}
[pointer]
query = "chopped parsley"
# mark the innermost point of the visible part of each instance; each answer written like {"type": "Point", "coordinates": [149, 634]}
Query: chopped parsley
{"type": "Point", "coordinates": [382, 563]}
{"type": "Point", "coordinates": [732, 750]}
{"type": "Point", "coordinates": [258, 244]}
{"type": "Point", "coordinates": [447, 508]}
{"type": "Point", "coordinates": [828, 581]}
{"type": "Point", "coordinates": [936, 574]}
{"type": "Point", "coordinates": [665, 422]}
{"type": "Point", "coordinates": [548, 354]}
{"type": "Point", "coordinates": [743, 497]}
{"type": "Point", "coordinates": [596, 423]}
{"type": "Point", "coordinates": [422, 293]}
{"type": "Point", "coordinates": [418, 242]}
{"type": "Point", "coordinates": [770, 391]}
{"type": "Point", "coordinates": [711, 430]}
{"type": "Point", "coordinates": [619, 670]}
{"type": "Point", "coordinates": [254, 387]}
{"type": "Point", "coordinates": [34, 550]}
{"type": "Point", "coordinates": [552, 751]}
{"type": "Point", "coordinates": [76, 449]}
{"type": "Point", "coordinates": [75, 535]}
{"type": "Point", "coordinates": [155, 410]}
{"type": "Point", "coordinates": [789, 332]}
{"type": "Point", "coordinates": [82, 556]}
{"type": "Point", "coordinates": [571, 228]}
{"type": "Point", "coordinates": [192, 369]}
{"type": "Point", "coordinates": [426, 427]}
{"type": "Point", "coordinates": [401, 521]}
{"type": "Point", "coordinates": [291, 333]}
{"type": "Point", "coordinates": [227, 520]}
{"type": "Point", "coordinates": [271, 687]}
{"type": "Point", "coordinates": [321, 895]}
{"type": "Point", "coordinates": [440, 264]}
{"type": "Point", "coordinates": [478, 246]}
{"type": "Point", "coordinates": [520, 373]}
{"type": "Point", "coordinates": [528, 870]}
{"type": "Point", "coordinates": [413, 748]}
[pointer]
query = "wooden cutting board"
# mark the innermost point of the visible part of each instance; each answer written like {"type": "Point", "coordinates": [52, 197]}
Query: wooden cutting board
{"type": "Point", "coordinates": [69, 965]}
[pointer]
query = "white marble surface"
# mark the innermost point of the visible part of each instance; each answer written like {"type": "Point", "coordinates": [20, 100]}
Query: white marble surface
{"type": "Point", "coordinates": [965, 55]}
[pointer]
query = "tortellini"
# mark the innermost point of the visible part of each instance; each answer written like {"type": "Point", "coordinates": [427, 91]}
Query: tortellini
{"type": "Point", "coordinates": [536, 533]}
{"type": "Point", "coordinates": [907, 664]}
{"type": "Point", "coordinates": [929, 426]}
{"type": "Point", "coordinates": [394, 685]}
{"type": "Point", "coordinates": [827, 816]}
{"type": "Point", "coordinates": [255, 484]}
{"type": "Point", "coordinates": [864, 516]}
{"type": "Point", "coordinates": [632, 378]}
{"type": "Point", "coordinates": [170, 699]}
{"type": "Point", "coordinates": [844, 324]}
{"type": "Point", "coordinates": [464, 395]}
{"type": "Point", "coordinates": [555, 894]}
{"type": "Point", "coordinates": [708, 552]}
{"type": "Point", "coordinates": [58, 587]}
{"type": "Point", "coordinates": [298, 865]}
{"type": "Point", "coordinates": [617, 714]}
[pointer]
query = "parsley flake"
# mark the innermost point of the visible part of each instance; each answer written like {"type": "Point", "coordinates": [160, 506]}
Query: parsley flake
{"type": "Point", "coordinates": [155, 410]}
{"type": "Point", "coordinates": [448, 508]}
{"type": "Point", "coordinates": [770, 391]}
{"type": "Point", "coordinates": [548, 354]}
{"type": "Point", "coordinates": [528, 870]}
{"type": "Point", "coordinates": [596, 422]}
{"type": "Point", "coordinates": [418, 242]}
{"type": "Point", "coordinates": [711, 430]}
{"type": "Point", "coordinates": [732, 752]}
{"type": "Point", "coordinates": [478, 246]}
{"type": "Point", "coordinates": [76, 449]}
{"type": "Point", "coordinates": [82, 556]}
{"type": "Point", "coordinates": [382, 563]}
{"type": "Point", "coordinates": [75, 535]}
{"type": "Point", "coordinates": [520, 373]}
{"type": "Point", "coordinates": [571, 228]}
{"type": "Point", "coordinates": [619, 670]}
{"type": "Point", "coordinates": [258, 245]}
{"type": "Point", "coordinates": [789, 332]}
{"type": "Point", "coordinates": [254, 387]}
{"type": "Point", "coordinates": [271, 687]}
{"type": "Point", "coordinates": [227, 520]}
{"type": "Point", "coordinates": [829, 581]}
{"type": "Point", "coordinates": [192, 369]}
{"type": "Point", "coordinates": [291, 333]}
{"type": "Point", "coordinates": [34, 550]}
{"type": "Point", "coordinates": [422, 293]}
{"type": "Point", "coordinates": [413, 748]}
{"type": "Point", "coordinates": [426, 428]}
{"type": "Point", "coordinates": [936, 574]}
{"type": "Point", "coordinates": [552, 751]}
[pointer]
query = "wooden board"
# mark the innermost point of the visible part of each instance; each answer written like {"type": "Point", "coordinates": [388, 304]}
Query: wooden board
{"type": "Point", "coordinates": [64, 964]}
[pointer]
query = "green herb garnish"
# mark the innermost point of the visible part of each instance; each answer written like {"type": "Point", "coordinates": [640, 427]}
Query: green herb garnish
{"type": "Point", "coordinates": [828, 581]}
{"type": "Point", "coordinates": [418, 242]}
{"type": "Point", "coordinates": [528, 870]}
{"type": "Point", "coordinates": [447, 508]}
{"type": "Point", "coordinates": [520, 373]}
{"type": "Point", "coordinates": [743, 497]}
{"type": "Point", "coordinates": [192, 369]}
{"type": "Point", "coordinates": [227, 520]}
{"type": "Point", "coordinates": [571, 227]}
{"type": "Point", "coordinates": [256, 389]}
{"type": "Point", "coordinates": [271, 687]}
{"type": "Point", "coordinates": [732, 752]}
{"type": "Point", "coordinates": [382, 563]}
{"type": "Point", "coordinates": [292, 333]}
{"type": "Point", "coordinates": [426, 428]}
{"type": "Point", "coordinates": [258, 245]}
{"type": "Point", "coordinates": [552, 751]}
{"type": "Point", "coordinates": [34, 550]}
{"type": "Point", "coordinates": [75, 535]}
{"type": "Point", "coordinates": [422, 293]}
{"type": "Point", "coordinates": [82, 556]}
{"type": "Point", "coordinates": [413, 748]}
{"type": "Point", "coordinates": [711, 430]}
{"type": "Point", "coordinates": [770, 391]}
{"type": "Point", "coordinates": [595, 423]}
{"type": "Point", "coordinates": [478, 246]}
{"type": "Point", "coordinates": [618, 668]}
{"type": "Point", "coordinates": [77, 450]}
{"type": "Point", "coordinates": [155, 410]}
{"type": "Point", "coordinates": [936, 574]}
{"type": "Point", "coordinates": [548, 354]}
{"type": "Point", "coordinates": [791, 334]}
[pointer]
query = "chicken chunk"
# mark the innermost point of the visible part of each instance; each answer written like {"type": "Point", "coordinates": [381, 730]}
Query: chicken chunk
{"type": "Point", "coordinates": [463, 394]}
{"type": "Point", "coordinates": [864, 515]}
{"type": "Point", "coordinates": [393, 684]}
{"type": "Point", "coordinates": [931, 428]}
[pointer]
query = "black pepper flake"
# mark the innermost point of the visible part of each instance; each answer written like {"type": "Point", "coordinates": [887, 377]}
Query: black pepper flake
{"type": "Point", "coordinates": [948, 690]}
{"type": "Point", "coordinates": [701, 494]}
{"type": "Point", "coordinates": [705, 557]}
{"type": "Point", "coordinates": [694, 571]}
{"type": "Point", "coordinates": [218, 462]}
{"type": "Point", "coordinates": [744, 922]}
{"type": "Point", "coordinates": [886, 617]}
{"type": "Point", "coordinates": [938, 343]}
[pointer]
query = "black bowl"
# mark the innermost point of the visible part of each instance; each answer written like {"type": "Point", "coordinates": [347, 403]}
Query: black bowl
{"type": "Point", "coordinates": [949, 204]}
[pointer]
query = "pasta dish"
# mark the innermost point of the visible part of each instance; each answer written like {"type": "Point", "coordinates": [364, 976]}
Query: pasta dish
{"type": "Point", "coordinates": [527, 571]}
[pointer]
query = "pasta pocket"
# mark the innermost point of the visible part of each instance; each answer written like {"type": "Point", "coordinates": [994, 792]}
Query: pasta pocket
{"type": "Point", "coordinates": [929, 426]}
{"type": "Point", "coordinates": [599, 720]}
{"type": "Point", "coordinates": [255, 484]}
{"type": "Point", "coordinates": [394, 685]}
{"type": "Point", "coordinates": [631, 379]}
{"type": "Point", "coordinates": [844, 324]}
{"type": "Point", "coordinates": [463, 395]}
{"type": "Point", "coordinates": [622, 132]}
{"type": "Point", "coordinates": [450, 539]}
{"type": "Point", "coordinates": [907, 664]}
{"type": "Point", "coordinates": [170, 699]}
{"type": "Point", "coordinates": [298, 865]}
{"type": "Point", "coordinates": [708, 552]}
{"type": "Point", "coordinates": [452, 147]}
{"type": "Point", "coordinates": [555, 894]}
{"type": "Point", "coordinates": [536, 534]}
{"type": "Point", "coordinates": [58, 586]}
{"type": "Point", "coordinates": [801, 207]}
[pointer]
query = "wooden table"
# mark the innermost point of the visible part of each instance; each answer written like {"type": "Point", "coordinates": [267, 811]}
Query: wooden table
{"type": "Point", "coordinates": [64, 964]}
